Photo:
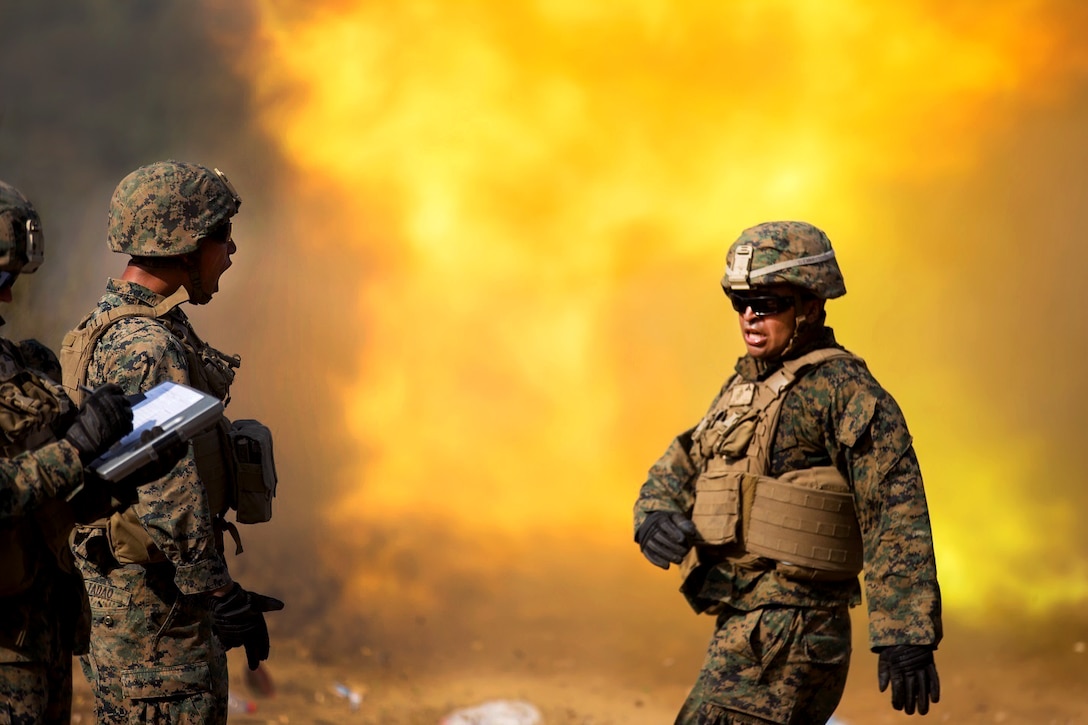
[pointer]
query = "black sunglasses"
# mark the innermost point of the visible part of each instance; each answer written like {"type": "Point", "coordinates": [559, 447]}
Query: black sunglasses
{"type": "Point", "coordinates": [763, 304]}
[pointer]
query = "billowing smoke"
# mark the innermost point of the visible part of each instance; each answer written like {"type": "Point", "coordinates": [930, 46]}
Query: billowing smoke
{"type": "Point", "coordinates": [479, 248]}
{"type": "Point", "coordinates": [536, 202]}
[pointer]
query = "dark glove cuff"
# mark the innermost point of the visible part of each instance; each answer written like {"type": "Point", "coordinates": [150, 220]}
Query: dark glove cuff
{"type": "Point", "coordinates": [907, 657]}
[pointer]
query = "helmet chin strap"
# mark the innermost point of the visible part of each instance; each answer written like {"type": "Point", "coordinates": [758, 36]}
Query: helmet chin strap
{"type": "Point", "coordinates": [800, 327]}
{"type": "Point", "coordinates": [197, 295]}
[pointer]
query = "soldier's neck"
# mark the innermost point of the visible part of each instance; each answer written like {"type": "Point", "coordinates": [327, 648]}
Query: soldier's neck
{"type": "Point", "coordinates": [160, 280]}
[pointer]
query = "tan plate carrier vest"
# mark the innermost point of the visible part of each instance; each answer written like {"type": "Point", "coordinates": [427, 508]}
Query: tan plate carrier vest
{"type": "Point", "coordinates": [803, 521]}
{"type": "Point", "coordinates": [234, 461]}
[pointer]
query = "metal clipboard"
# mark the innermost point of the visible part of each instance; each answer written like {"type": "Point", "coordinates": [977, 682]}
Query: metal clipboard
{"type": "Point", "coordinates": [168, 413]}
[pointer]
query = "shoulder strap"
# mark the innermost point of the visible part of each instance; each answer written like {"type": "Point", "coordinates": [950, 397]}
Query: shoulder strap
{"type": "Point", "coordinates": [79, 343]}
{"type": "Point", "coordinates": [786, 375]}
{"type": "Point", "coordinates": [771, 393]}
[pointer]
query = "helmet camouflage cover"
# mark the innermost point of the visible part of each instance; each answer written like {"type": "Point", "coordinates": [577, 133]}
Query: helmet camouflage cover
{"type": "Point", "coordinates": [794, 253]}
{"type": "Point", "coordinates": [164, 209]}
{"type": "Point", "coordinates": [22, 245]}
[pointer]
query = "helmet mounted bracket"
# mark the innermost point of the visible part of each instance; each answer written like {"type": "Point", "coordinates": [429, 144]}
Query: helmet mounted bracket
{"type": "Point", "coordinates": [737, 274]}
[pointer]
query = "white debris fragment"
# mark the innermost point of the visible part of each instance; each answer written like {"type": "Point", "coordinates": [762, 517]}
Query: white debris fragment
{"type": "Point", "coordinates": [497, 712]}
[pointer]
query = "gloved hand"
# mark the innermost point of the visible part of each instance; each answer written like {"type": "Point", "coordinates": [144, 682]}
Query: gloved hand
{"type": "Point", "coordinates": [104, 417]}
{"type": "Point", "coordinates": [913, 676]}
{"type": "Point", "coordinates": [239, 622]}
{"type": "Point", "coordinates": [99, 498]}
{"type": "Point", "coordinates": [665, 537]}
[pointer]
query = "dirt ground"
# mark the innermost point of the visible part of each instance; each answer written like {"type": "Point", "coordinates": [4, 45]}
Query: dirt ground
{"type": "Point", "coordinates": [617, 646]}
{"type": "Point", "coordinates": [985, 686]}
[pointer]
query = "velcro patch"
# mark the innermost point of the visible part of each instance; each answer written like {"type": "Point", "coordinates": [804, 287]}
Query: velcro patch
{"type": "Point", "coordinates": [742, 394]}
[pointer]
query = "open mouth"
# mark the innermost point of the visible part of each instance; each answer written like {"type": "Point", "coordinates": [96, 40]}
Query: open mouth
{"type": "Point", "coordinates": [754, 337]}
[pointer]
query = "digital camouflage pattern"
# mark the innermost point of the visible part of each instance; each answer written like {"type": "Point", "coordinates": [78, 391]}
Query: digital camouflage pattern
{"type": "Point", "coordinates": [781, 242]}
{"type": "Point", "coordinates": [39, 358]}
{"type": "Point", "coordinates": [836, 414]}
{"type": "Point", "coordinates": [31, 478]}
{"type": "Point", "coordinates": [778, 665]}
{"type": "Point", "coordinates": [164, 209]}
{"type": "Point", "coordinates": [33, 407]}
{"type": "Point", "coordinates": [139, 669]}
{"type": "Point", "coordinates": [44, 598]}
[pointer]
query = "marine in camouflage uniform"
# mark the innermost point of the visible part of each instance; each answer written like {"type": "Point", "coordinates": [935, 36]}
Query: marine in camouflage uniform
{"type": "Point", "coordinates": [155, 573]}
{"type": "Point", "coordinates": [41, 595]}
{"type": "Point", "coordinates": [782, 644]}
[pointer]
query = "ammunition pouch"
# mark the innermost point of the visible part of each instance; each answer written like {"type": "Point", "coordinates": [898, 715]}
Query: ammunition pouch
{"type": "Point", "coordinates": [723, 497]}
{"type": "Point", "coordinates": [235, 463]}
{"type": "Point", "coordinates": [255, 480]}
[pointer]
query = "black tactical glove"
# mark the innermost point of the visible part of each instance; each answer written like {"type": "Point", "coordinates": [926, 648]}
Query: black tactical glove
{"type": "Point", "coordinates": [913, 675]}
{"type": "Point", "coordinates": [239, 622]}
{"type": "Point", "coordinates": [665, 537]}
{"type": "Point", "coordinates": [104, 417]}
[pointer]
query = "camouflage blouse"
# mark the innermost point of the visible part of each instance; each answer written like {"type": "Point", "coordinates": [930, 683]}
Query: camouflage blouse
{"type": "Point", "coordinates": [138, 353]}
{"type": "Point", "coordinates": [837, 414]}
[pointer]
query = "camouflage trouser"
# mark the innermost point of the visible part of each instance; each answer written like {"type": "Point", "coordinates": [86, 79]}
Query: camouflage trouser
{"type": "Point", "coordinates": [153, 656]}
{"type": "Point", "coordinates": [33, 693]}
{"type": "Point", "coordinates": [778, 665]}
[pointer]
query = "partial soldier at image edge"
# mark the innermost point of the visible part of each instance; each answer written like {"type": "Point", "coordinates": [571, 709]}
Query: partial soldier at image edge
{"type": "Point", "coordinates": [46, 442]}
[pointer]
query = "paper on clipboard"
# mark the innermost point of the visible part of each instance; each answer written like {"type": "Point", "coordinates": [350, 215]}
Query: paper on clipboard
{"type": "Point", "coordinates": [168, 413]}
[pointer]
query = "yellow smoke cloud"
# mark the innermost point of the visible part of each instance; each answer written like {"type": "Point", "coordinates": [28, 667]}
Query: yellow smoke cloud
{"type": "Point", "coordinates": [530, 190]}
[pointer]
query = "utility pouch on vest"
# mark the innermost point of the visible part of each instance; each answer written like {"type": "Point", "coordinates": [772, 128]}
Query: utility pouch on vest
{"type": "Point", "coordinates": [214, 465]}
{"type": "Point", "coordinates": [129, 541]}
{"type": "Point", "coordinates": [19, 558]}
{"type": "Point", "coordinates": [251, 443]}
{"type": "Point", "coordinates": [806, 521]}
{"type": "Point", "coordinates": [716, 513]}
{"type": "Point", "coordinates": [29, 404]}
{"type": "Point", "coordinates": [736, 443]}
{"type": "Point", "coordinates": [219, 371]}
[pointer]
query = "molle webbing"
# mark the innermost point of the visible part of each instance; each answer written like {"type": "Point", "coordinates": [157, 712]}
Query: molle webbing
{"type": "Point", "coordinates": [735, 440]}
{"type": "Point", "coordinates": [804, 520]}
{"type": "Point", "coordinates": [79, 344]}
{"type": "Point", "coordinates": [807, 527]}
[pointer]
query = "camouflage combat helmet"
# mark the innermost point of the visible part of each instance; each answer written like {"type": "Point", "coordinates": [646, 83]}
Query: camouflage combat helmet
{"type": "Point", "coordinates": [22, 246]}
{"type": "Point", "coordinates": [164, 209]}
{"type": "Point", "coordinates": [794, 253]}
